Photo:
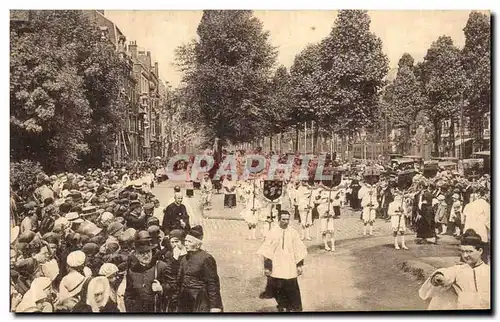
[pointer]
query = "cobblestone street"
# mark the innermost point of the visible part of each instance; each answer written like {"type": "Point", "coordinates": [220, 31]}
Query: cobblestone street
{"type": "Point", "coordinates": [341, 276]}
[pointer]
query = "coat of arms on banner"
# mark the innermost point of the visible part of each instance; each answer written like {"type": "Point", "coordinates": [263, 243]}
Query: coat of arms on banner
{"type": "Point", "coordinates": [372, 175]}
{"type": "Point", "coordinates": [273, 189]}
{"type": "Point", "coordinates": [336, 174]}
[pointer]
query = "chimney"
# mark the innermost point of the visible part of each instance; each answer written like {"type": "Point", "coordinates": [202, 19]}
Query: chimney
{"type": "Point", "coordinates": [156, 70]}
{"type": "Point", "coordinates": [148, 60]}
{"type": "Point", "coordinates": [132, 47]}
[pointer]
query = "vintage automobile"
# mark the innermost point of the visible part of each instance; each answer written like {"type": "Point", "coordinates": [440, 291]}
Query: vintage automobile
{"type": "Point", "coordinates": [448, 165]}
{"type": "Point", "coordinates": [419, 160]}
{"type": "Point", "coordinates": [485, 155]}
{"type": "Point", "coordinates": [405, 171]}
{"type": "Point", "coordinates": [416, 158]}
{"type": "Point", "coordinates": [394, 156]}
{"type": "Point", "coordinates": [471, 169]}
{"type": "Point", "coordinates": [403, 164]}
{"type": "Point", "coordinates": [430, 169]}
{"type": "Point", "coordinates": [445, 159]}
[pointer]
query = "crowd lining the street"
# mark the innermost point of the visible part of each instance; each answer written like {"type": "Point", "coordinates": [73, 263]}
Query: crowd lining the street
{"type": "Point", "coordinates": [101, 242]}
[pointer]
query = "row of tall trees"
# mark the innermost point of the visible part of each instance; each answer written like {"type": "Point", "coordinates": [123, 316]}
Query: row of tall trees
{"type": "Point", "coordinates": [66, 101]}
{"type": "Point", "coordinates": [236, 93]}
{"type": "Point", "coordinates": [231, 81]}
{"type": "Point", "coordinates": [449, 84]}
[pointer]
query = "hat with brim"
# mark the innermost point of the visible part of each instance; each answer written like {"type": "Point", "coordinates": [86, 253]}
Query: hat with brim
{"type": "Point", "coordinates": [114, 228]}
{"type": "Point", "coordinates": [14, 233]}
{"type": "Point", "coordinates": [75, 282]}
{"type": "Point", "coordinates": [135, 203]}
{"type": "Point", "coordinates": [143, 247]}
{"type": "Point", "coordinates": [89, 228]}
{"type": "Point", "coordinates": [73, 218]}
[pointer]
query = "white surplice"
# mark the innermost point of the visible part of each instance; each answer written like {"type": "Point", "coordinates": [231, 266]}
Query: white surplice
{"type": "Point", "coordinates": [464, 288]}
{"type": "Point", "coordinates": [285, 249]}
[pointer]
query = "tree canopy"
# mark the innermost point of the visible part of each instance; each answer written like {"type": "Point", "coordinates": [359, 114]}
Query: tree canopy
{"type": "Point", "coordinates": [64, 90]}
{"type": "Point", "coordinates": [226, 74]}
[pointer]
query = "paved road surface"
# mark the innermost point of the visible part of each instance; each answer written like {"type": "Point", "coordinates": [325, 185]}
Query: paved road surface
{"type": "Point", "coordinates": [349, 279]}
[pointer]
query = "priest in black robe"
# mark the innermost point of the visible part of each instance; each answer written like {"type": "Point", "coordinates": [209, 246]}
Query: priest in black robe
{"type": "Point", "coordinates": [199, 282]}
{"type": "Point", "coordinates": [175, 216]}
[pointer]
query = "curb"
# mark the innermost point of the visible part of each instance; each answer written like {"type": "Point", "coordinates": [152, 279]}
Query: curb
{"type": "Point", "coordinates": [222, 217]}
{"type": "Point", "coordinates": [418, 269]}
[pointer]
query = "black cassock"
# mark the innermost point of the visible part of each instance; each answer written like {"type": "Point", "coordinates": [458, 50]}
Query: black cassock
{"type": "Point", "coordinates": [172, 218]}
{"type": "Point", "coordinates": [355, 202]}
{"type": "Point", "coordinates": [286, 292]}
{"type": "Point", "coordinates": [425, 226]}
{"type": "Point", "coordinates": [199, 283]}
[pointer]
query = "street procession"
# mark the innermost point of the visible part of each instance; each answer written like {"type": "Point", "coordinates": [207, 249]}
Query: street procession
{"type": "Point", "coordinates": [198, 199]}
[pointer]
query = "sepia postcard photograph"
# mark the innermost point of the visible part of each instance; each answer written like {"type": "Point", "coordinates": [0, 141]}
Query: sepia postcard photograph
{"type": "Point", "coordinates": [250, 161]}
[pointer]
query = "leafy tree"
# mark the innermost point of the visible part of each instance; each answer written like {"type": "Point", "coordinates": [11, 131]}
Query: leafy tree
{"type": "Point", "coordinates": [477, 64]}
{"type": "Point", "coordinates": [305, 77]}
{"type": "Point", "coordinates": [404, 99]}
{"type": "Point", "coordinates": [226, 72]}
{"type": "Point", "coordinates": [276, 111]}
{"type": "Point", "coordinates": [49, 110]}
{"type": "Point", "coordinates": [353, 71]}
{"type": "Point", "coordinates": [23, 177]}
{"type": "Point", "coordinates": [104, 77]}
{"type": "Point", "coordinates": [64, 91]}
{"type": "Point", "coordinates": [443, 80]}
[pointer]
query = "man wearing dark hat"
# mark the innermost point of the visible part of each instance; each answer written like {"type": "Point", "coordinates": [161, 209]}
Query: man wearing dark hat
{"type": "Point", "coordinates": [146, 281]}
{"type": "Point", "coordinates": [463, 286]}
{"type": "Point", "coordinates": [136, 218]}
{"type": "Point", "coordinates": [171, 254]}
{"type": "Point", "coordinates": [198, 278]}
{"type": "Point", "coordinates": [149, 209]}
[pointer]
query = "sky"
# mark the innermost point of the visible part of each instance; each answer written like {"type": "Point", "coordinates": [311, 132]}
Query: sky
{"type": "Point", "coordinates": [161, 32]}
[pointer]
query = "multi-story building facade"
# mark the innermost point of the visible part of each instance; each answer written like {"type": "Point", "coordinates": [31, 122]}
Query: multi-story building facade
{"type": "Point", "coordinates": [149, 109]}
{"type": "Point", "coordinates": [164, 109]}
{"type": "Point", "coordinates": [462, 137]}
{"type": "Point", "coordinates": [127, 141]}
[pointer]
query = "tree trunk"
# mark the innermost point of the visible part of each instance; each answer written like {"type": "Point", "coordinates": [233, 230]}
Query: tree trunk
{"type": "Point", "coordinates": [452, 136]}
{"type": "Point", "coordinates": [316, 135]}
{"type": "Point", "coordinates": [407, 145]}
{"type": "Point", "coordinates": [218, 151]}
{"type": "Point", "coordinates": [481, 135]}
{"type": "Point", "coordinates": [437, 137]}
{"type": "Point", "coordinates": [296, 143]}
{"type": "Point", "coordinates": [270, 143]}
{"type": "Point", "coordinates": [280, 137]}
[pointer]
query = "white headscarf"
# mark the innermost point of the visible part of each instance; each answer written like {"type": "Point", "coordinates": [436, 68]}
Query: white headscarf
{"type": "Point", "coordinates": [93, 287]}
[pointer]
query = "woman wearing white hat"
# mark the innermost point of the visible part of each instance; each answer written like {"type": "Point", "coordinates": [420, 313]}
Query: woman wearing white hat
{"type": "Point", "coordinates": [37, 299]}
{"type": "Point", "coordinates": [70, 291]}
